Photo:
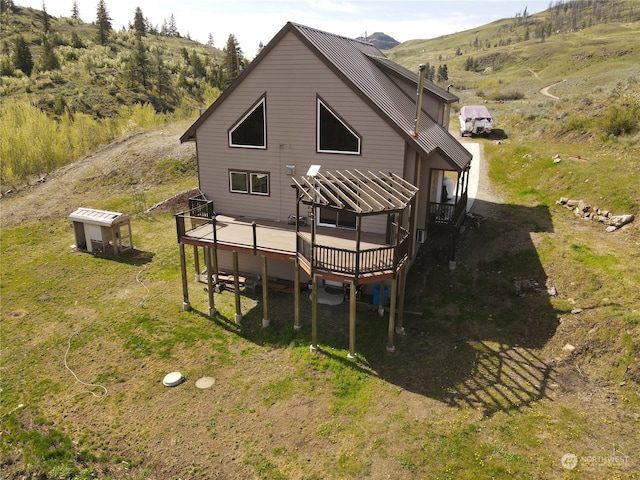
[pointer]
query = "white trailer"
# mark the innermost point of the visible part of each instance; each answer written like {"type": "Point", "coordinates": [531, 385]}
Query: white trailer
{"type": "Point", "coordinates": [475, 120]}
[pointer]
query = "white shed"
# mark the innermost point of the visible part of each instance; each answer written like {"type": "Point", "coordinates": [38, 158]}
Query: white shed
{"type": "Point", "coordinates": [101, 231]}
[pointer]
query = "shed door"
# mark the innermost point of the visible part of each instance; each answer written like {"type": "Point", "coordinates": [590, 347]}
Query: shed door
{"type": "Point", "coordinates": [93, 234]}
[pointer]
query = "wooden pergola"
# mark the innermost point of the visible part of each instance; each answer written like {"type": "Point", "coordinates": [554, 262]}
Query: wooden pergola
{"type": "Point", "coordinates": [369, 257]}
{"type": "Point", "coordinates": [363, 194]}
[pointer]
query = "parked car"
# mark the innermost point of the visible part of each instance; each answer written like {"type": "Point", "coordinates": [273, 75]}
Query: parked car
{"type": "Point", "coordinates": [475, 120]}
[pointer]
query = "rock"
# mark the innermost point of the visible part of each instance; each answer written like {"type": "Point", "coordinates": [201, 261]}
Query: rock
{"type": "Point", "coordinates": [568, 348]}
{"type": "Point", "coordinates": [572, 203]}
{"type": "Point", "coordinates": [563, 200]}
{"type": "Point", "coordinates": [575, 311]}
{"type": "Point", "coordinates": [552, 291]}
{"type": "Point", "coordinates": [557, 159]}
{"type": "Point", "coordinates": [610, 229]}
{"type": "Point", "coordinates": [621, 220]}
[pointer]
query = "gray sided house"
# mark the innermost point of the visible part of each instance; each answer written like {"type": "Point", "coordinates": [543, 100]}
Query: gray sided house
{"type": "Point", "coordinates": [324, 163]}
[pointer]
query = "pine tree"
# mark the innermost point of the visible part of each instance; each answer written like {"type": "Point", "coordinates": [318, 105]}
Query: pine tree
{"type": "Point", "coordinates": [21, 57]}
{"type": "Point", "coordinates": [161, 76]}
{"type": "Point", "coordinates": [46, 25]}
{"type": "Point", "coordinates": [137, 67]}
{"type": "Point", "coordinates": [103, 21]}
{"type": "Point", "coordinates": [7, 5]}
{"type": "Point", "coordinates": [210, 40]}
{"type": "Point", "coordinates": [232, 60]}
{"type": "Point", "coordinates": [173, 29]}
{"type": "Point", "coordinates": [49, 60]}
{"type": "Point", "coordinates": [75, 13]}
{"type": "Point", "coordinates": [139, 24]}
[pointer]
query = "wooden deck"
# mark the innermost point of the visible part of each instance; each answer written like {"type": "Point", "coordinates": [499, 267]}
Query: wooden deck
{"type": "Point", "coordinates": [335, 249]}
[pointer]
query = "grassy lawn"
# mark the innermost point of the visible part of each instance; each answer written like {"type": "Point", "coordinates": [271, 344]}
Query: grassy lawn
{"type": "Point", "coordinates": [479, 388]}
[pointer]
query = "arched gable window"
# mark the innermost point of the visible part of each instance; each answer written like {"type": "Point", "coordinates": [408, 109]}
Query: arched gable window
{"type": "Point", "coordinates": [251, 130]}
{"type": "Point", "coordinates": [334, 135]}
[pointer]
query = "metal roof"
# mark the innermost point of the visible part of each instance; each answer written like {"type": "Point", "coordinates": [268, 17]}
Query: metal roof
{"type": "Point", "coordinates": [98, 217]}
{"type": "Point", "coordinates": [375, 78]}
{"type": "Point", "coordinates": [360, 192]}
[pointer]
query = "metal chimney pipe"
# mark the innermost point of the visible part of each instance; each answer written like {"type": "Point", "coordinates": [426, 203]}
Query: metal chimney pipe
{"type": "Point", "coordinates": [421, 74]}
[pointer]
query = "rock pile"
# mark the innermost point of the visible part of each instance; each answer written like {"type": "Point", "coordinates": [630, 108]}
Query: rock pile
{"type": "Point", "coordinates": [595, 214]}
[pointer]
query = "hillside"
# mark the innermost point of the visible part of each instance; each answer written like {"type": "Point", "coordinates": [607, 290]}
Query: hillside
{"type": "Point", "coordinates": [73, 72]}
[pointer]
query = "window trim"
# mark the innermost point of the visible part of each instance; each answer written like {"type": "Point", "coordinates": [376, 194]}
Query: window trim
{"type": "Point", "coordinates": [251, 191]}
{"type": "Point", "coordinates": [320, 101]}
{"type": "Point", "coordinates": [249, 182]}
{"type": "Point", "coordinates": [246, 182]}
{"type": "Point", "coordinates": [261, 101]}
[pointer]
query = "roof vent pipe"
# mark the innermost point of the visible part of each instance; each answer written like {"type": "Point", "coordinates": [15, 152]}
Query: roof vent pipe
{"type": "Point", "coordinates": [421, 74]}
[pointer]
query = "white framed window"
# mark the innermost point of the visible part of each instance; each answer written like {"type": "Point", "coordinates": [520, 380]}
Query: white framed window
{"type": "Point", "coordinates": [334, 135]}
{"type": "Point", "coordinates": [251, 130]}
{"type": "Point", "coordinates": [254, 183]}
{"type": "Point", "coordinates": [238, 182]}
{"type": "Point", "coordinates": [259, 183]}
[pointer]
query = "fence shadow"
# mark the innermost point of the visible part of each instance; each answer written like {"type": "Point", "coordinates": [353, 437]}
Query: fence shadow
{"type": "Point", "coordinates": [472, 333]}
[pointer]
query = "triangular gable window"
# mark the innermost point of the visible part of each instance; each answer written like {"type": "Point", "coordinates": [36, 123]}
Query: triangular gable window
{"type": "Point", "coordinates": [334, 135]}
{"type": "Point", "coordinates": [251, 130]}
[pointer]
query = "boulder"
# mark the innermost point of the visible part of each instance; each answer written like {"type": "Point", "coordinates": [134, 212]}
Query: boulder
{"type": "Point", "coordinates": [621, 220]}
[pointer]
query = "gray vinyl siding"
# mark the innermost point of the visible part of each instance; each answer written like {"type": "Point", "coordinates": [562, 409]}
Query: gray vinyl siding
{"type": "Point", "coordinates": [292, 76]}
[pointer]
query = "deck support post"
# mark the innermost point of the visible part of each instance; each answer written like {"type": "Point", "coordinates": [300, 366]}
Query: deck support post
{"type": "Point", "coordinates": [236, 287]}
{"type": "Point", "coordinates": [392, 314]}
{"type": "Point", "coordinates": [196, 262]}
{"type": "Point", "coordinates": [186, 306]}
{"type": "Point", "coordinates": [296, 296]}
{"type": "Point", "coordinates": [403, 287]}
{"type": "Point", "coordinates": [314, 314]}
{"type": "Point", "coordinates": [207, 259]}
{"type": "Point", "coordinates": [381, 300]}
{"type": "Point", "coordinates": [265, 294]}
{"type": "Point", "coordinates": [352, 321]}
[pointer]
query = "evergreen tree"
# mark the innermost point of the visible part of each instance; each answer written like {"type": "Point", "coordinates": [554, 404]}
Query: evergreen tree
{"type": "Point", "coordinates": [232, 60]}
{"type": "Point", "coordinates": [197, 65]}
{"type": "Point", "coordinates": [103, 21]}
{"type": "Point", "coordinates": [443, 73]}
{"type": "Point", "coordinates": [172, 30]}
{"type": "Point", "coordinates": [137, 67]}
{"type": "Point", "coordinates": [21, 58]}
{"type": "Point", "coordinates": [139, 24]}
{"type": "Point", "coordinates": [210, 40]}
{"type": "Point", "coordinates": [75, 13]}
{"type": "Point", "coordinates": [46, 25]}
{"type": "Point", "coordinates": [49, 60]}
{"type": "Point", "coordinates": [7, 6]}
{"type": "Point", "coordinates": [161, 76]}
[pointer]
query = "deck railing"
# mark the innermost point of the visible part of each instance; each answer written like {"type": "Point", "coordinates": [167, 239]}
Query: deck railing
{"type": "Point", "coordinates": [350, 262]}
{"type": "Point", "coordinates": [448, 213]}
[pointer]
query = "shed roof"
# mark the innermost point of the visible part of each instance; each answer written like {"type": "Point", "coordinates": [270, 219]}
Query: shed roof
{"type": "Point", "coordinates": [360, 192]}
{"type": "Point", "coordinates": [374, 78]}
{"type": "Point", "coordinates": [98, 217]}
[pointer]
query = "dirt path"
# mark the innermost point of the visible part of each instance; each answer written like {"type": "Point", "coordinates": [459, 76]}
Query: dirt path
{"type": "Point", "coordinates": [545, 90]}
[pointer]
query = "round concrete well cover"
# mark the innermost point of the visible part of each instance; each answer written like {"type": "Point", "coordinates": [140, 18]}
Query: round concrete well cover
{"type": "Point", "coordinates": [173, 379]}
{"type": "Point", "coordinates": [205, 382]}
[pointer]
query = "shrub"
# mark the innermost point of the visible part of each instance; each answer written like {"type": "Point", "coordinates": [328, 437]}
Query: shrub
{"type": "Point", "coordinates": [618, 120]}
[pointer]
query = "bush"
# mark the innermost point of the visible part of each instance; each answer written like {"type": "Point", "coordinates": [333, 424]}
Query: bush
{"type": "Point", "coordinates": [618, 120]}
